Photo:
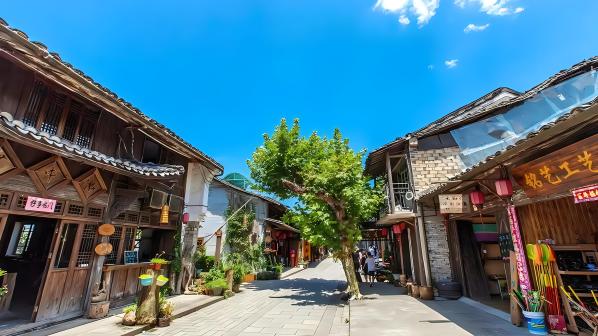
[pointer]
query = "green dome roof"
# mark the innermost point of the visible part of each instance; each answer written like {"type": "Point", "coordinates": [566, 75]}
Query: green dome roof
{"type": "Point", "coordinates": [237, 180]}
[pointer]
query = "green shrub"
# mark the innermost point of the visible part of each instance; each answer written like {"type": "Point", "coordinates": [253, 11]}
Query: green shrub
{"type": "Point", "coordinates": [204, 262]}
{"type": "Point", "coordinates": [239, 271]}
{"type": "Point", "coordinates": [213, 274]}
{"type": "Point", "coordinates": [217, 283]}
{"type": "Point", "coordinates": [130, 308]}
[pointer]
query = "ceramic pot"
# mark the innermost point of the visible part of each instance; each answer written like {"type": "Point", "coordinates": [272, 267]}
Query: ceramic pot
{"type": "Point", "coordinates": [426, 293]}
{"type": "Point", "coordinates": [156, 267]}
{"type": "Point", "coordinates": [415, 291]}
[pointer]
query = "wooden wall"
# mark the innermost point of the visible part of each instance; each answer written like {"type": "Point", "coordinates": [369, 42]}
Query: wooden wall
{"type": "Point", "coordinates": [562, 220]}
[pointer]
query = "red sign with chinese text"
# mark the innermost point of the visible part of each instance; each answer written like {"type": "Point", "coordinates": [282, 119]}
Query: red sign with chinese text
{"type": "Point", "coordinates": [560, 171]}
{"type": "Point", "coordinates": [586, 194]}
{"type": "Point", "coordinates": [40, 204]}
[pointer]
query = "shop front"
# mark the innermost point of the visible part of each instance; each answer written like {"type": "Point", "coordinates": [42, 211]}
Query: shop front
{"type": "Point", "coordinates": [282, 242]}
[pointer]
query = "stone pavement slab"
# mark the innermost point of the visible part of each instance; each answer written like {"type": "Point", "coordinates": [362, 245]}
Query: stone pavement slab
{"type": "Point", "coordinates": [387, 310]}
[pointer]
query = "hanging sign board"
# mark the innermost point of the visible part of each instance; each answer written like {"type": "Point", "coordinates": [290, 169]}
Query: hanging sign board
{"type": "Point", "coordinates": [40, 204]}
{"type": "Point", "coordinates": [586, 194]}
{"type": "Point", "coordinates": [131, 257]}
{"type": "Point", "coordinates": [560, 171]}
{"type": "Point", "coordinates": [454, 203]}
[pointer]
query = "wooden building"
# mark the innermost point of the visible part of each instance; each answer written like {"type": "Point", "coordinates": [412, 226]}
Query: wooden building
{"type": "Point", "coordinates": [545, 144]}
{"type": "Point", "coordinates": [73, 156]}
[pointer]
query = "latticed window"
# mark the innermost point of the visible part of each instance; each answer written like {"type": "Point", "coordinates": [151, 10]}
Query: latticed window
{"type": "Point", "coordinates": [36, 101]}
{"type": "Point", "coordinates": [5, 200]}
{"type": "Point", "coordinates": [94, 212]}
{"type": "Point", "coordinates": [58, 207]}
{"type": "Point", "coordinates": [75, 209]}
{"type": "Point", "coordinates": [88, 241]}
{"type": "Point", "coordinates": [86, 128]}
{"type": "Point", "coordinates": [21, 202]}
{"type": "Point", "coordinates": [53, 113]}
{"type": "Point", "coordinates": [72, 121]}
{"type": "Point", "coordinates": [65, 245]}
{"type": "Point", "coordinates": [114, 240]}
{"type": "Point", "coordinates": [129, 238]}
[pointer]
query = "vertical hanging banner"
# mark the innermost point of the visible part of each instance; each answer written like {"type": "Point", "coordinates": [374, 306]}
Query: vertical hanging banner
{"type": "Point", "coordinates": [524, 281]}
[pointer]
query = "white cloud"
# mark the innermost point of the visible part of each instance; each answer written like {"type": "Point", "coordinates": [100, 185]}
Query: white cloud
{"type": "Point", "coordinates": [423, 10]}
{"type": "Point", "coordinates": [451, 63]}
{"type": "Point", "coordinates": [492, 7]}
{"type": "Point", "coordinates": [475, 28]}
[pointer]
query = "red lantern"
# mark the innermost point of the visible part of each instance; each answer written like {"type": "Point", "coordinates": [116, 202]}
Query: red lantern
{"type": "Point", "coordinates": [384, 232]}
{"type": "Point", "coordinates": [504, 187]}
{"type": "Point", "coordinates": [403, 226]}
{"type": "Point", "coordinates": [396, 229]}
{"type": "Point", "coordinates": [477, 197]}
{"type": "Point", "coordinates": [185, 218]}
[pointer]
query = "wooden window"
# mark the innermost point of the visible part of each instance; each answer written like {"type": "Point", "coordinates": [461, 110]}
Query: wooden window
{"type": "Point", "coordinates": [21, 237]}
{"type": "Point", "coordinates": [72, 121]}
{"type": "Point", "coordinates": [35, 104]}
{"type": "Point", "coordinates": [5, 198]}
{"type": "Point", "coordinates": [88, 242]}
{"type": "Point", "coordinates": [86, 127]}
{"type": "Point", "coordinates": [94, 212]}
{"type": "Point", "coordinates": [58, 207]}
{"type": "Point", "coordinates": [114, 240]}
{"type": "Point", "coordinates": [75, 209]}
{"type": "Point", "coordinates": [21, 202]}
{"type": "Point", "coordinates": [51, 119]}
{"type": "Point", "coordinates": [65, 245]}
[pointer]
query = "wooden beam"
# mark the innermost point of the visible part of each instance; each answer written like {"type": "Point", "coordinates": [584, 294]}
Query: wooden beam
{"type": "Point", "coordinates": [390, 184]}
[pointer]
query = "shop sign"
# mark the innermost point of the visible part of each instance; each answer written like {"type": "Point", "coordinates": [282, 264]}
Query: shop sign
{"type": "Point", "coordinates": [454, 203]}
{"type": "Point", "coordinates": [40, 204]}
{"type": "Point", "coordinates": [524, 281]}
{"type": "Point", "coordinates": [560, 171]}
{"type": "Point", "coordinates": [586, 194]}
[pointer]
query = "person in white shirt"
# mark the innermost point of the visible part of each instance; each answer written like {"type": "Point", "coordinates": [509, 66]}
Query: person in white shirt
{"type": "Point", "coordinates": [370, 265]}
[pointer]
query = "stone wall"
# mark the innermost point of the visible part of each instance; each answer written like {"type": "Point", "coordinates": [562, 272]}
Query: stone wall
{"type": "Point", "coordinates": [429, 166]}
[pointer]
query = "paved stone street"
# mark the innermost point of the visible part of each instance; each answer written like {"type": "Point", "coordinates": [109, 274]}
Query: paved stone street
{"type": "Point", "coordinates": [306, 303]}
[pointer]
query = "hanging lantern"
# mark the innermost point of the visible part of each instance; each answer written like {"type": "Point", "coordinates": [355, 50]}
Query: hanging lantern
{"type": "Point", "coordinates": [164, 214]}
{"type": "Point", "coordinates": [396, 229]}
{"type": "Point", "coordinates": [384, 232]}
{"type": "Point", "coordinates": [504, 187]}
{"type": "Point", "coordinates": [403, 226]}
{"type": "Point", "coordinates": [268, 239]}
{"type": "Point", "coordinates": [477, 197]}
{"type": "Point", "coordinates": [185, 218]}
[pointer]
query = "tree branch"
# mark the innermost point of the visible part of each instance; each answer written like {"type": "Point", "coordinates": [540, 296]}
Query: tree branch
{"type": "Point", "coordinates": [331, 201]}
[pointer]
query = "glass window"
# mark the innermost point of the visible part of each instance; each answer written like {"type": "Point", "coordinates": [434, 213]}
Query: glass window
{"type": "Point", "coordinates": [24, 238]}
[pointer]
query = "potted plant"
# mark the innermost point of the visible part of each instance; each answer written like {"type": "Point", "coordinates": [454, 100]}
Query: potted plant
{"type": "Point", "coordinates": [129, 317]}
{"type": "Point", "coordinates": [3, 289]}
{"type": "Point", "coordinates": [216, 286]}
{"type": "Point", "coordinates": [145, 279]}
{"type": "Point", "coordinates": [157, 263]}
{"type": "Point", "coordinates": [165, 314]}
{"type": "Point", "coordinates": [161, 280]}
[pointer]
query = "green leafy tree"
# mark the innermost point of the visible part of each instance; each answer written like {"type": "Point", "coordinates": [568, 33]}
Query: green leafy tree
{"type": "Point", "coordinates": [238, 231]}
{"type": "Point", "coordinates": [326, 176]}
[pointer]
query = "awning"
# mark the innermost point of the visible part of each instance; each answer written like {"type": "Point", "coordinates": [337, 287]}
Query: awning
{"type": "Point", "coordinates": [280, 225]}
{"type": "Point", "coordinates": [396, 217]}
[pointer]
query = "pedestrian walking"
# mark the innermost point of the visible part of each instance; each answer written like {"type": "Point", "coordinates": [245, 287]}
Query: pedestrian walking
{"type": "Point", "coordinates": [370, 264]}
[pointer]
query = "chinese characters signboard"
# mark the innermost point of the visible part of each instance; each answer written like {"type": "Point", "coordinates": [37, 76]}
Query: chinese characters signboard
{"type": "Point", "coordinates": [454, 203]}
{"type": "Point", "coordinates": [586, 194]}
{"type": "Point", "coordinates": [562, 170]}
{"type": "Point", "coordinates": [40, 204]}
{"type": "Point", "coordinates": [524, 281]}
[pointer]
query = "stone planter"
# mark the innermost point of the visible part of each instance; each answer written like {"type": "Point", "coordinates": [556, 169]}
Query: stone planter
{"type": "Point", "coordinates": [163, 322]}
{"type": "Point", "coordinates": [236, 288]}
{"type": "Point", "coordinates": [415, 291]}
{"type": "Point", "coordinates": [215, 291]}
{"type": "Point", "coordinates": [129, 319]}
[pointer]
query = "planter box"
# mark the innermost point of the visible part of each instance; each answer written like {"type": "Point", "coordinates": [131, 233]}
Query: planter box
{"type": "Point", "coordinates": [249, 277]}
{"type": "Point", "coordinates": [99, 309]}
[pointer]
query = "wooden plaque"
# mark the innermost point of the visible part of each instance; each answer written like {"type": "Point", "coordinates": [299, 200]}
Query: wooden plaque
{"type": "Point", "coordinates": [106, 230]}
{"type": "Point", "coordinates": [454, 203]}
{"type": "Point", "coordinates": [568, 168]}
{"type": "Point", "coordinates": [103, 249]}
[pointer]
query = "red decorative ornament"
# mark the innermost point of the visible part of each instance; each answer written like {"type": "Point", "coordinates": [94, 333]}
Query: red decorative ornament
{"type": "Point", "coordinates": [283, 236]}
{"type": "Point", "coordinates": [403, 226]}
{"type": "Point", "coordinates": [396, 229]}
{"type": "Point", "coordinates": [504, 187]}
{"type": "Point", "coordinates": [477, 197]}
{"type": "Point", "coordinates": [185, 218]}
{"type": "Point", "coordinates": [384, 232]}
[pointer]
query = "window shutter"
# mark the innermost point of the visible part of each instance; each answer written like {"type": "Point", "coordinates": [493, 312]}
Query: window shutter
{"type": "Point", "coordinates": [53, 114]}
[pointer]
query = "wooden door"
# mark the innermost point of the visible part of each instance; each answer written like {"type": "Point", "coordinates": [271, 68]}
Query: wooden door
{"type": "Point", "coordinates": [68, 272]}
{"type": "Point", "coordinates": [475, 278]}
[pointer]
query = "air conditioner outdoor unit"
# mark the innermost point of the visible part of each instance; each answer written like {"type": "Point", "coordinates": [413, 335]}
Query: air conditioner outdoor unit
{"type": "Point", "coordinates": [157, 199]}
{"type": "Point", "coordinates": [176, 203]}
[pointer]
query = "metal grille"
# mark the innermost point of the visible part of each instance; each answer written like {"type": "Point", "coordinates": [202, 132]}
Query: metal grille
{"type": "Point", "coordinates": [5, 200]}
{"type": "Point", "coordinates": [114, 240]}
{"type": "Point", "coordinates": [75, 209]}
{"type": "Point", "coordinates": [129, 238]}
{"type": "Point", "coordinates": [94, 212]}
{"type": "Point", "coordinates": [34, 106]}
{"type": "Point", "coordinates": [53, 114]}
{"type": "Point", "coordinates": [87, 244]}
{"type": "Point", "coordinates": [21, 202]}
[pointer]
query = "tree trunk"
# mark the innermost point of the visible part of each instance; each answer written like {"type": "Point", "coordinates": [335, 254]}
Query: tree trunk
{"type": "Point", "coordinates": [146, 309]}
{"type": "Point", "coordinates": [349, 268]}
{"type": "Point", "coordinates": [188, 248]}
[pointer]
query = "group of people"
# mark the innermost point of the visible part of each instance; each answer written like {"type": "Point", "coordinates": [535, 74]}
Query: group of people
{"type": "Point", "coordinates": [367, 263]}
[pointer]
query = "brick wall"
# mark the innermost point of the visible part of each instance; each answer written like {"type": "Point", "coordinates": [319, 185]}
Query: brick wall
{"type": "Point", "coordinates": [429, 166]}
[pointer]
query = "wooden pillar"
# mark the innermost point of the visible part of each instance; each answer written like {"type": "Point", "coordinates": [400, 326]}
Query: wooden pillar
{"type": "Point", "coordinates": [411, 253]}
{"type": "Point", "coordinates": [423, 244]}
{"type": "Point", "coordinates": [218, 246]}
{"type": "Point", "coordinates": [391, 193]}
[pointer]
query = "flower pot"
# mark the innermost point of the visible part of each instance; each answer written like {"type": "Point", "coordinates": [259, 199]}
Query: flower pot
{"type": "Point", "coordinates": [403, 279]}
{"type": "Point", "coordinates": [426, 293]}
{"type": "Point", "coordinates": [215, 291]}
{"type": "Point", "coordinates": [163, 321]}
{"type": "Point", "coordinates": [156, 267]}
{"type": "Point", "coordinates": [236, 288]}
{"type": "Point", "coordinates": [415, 291]}
{"type": "Point", "coordinates": [536, 323]}
{"type": "Point", "coordinates": [161, 280]}
{"type": "Point", "coordinates": [249, 277]}
{"type": "Point", "coordinates": [145, 281]}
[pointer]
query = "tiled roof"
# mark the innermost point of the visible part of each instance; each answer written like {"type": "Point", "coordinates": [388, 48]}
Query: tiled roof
{"type": "Point", "coordinates": [10, 125]}
{"type": "Point", "coordinates": [43, 52]}
{"type": "Point", "coordinates": [512, 148]}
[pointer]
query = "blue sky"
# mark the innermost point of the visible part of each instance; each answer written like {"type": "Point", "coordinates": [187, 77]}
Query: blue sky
{"type": "Point", "coordinates": [221, 73]}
